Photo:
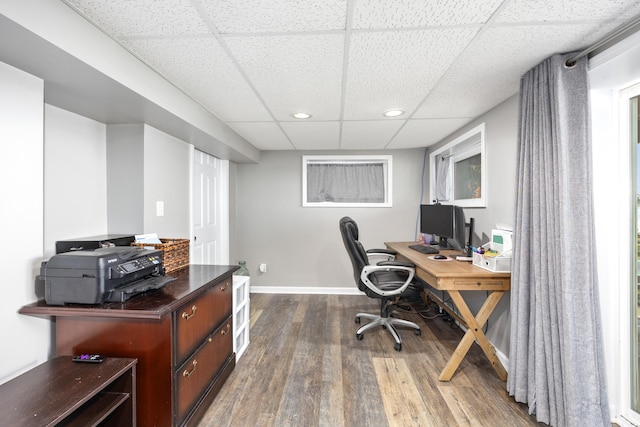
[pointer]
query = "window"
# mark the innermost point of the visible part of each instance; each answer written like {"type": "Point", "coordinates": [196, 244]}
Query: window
{"type": "Point", "coordinates": [457, 172]}
{"type": "Point", "coordinates": [346, 181]}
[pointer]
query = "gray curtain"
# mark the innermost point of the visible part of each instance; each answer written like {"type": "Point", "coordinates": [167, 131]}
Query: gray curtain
{"type": "Point", "coordinates": [556, 363]}
{"type": "Point", "coordinates": [345, 183]}
{"type": "Point", "coordinates": [442, 177]}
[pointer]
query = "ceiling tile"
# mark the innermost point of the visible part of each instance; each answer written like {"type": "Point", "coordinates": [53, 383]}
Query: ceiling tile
{"type": "Point", "coordinates": [263, 135]}
{"type": "Point", "coordinates": [295, 72]}
{"type": "Point", "coordinates": [252, 16]}
{"type": "Point", "coordinates": [426, 132]}
{"type": "Point", "coordinates": [397, 69]}
{"type": "Point", "coordinates": [200, 67]}
{"type": "Point", "coordinates": [313, 135]}
{"type": "Point", "coordinates": [489, 71]}
{"type": "Point", "coordinates": [368, 134]}
{"type": "Point", "coordinates": [562, 11]}
{"type": "Point", "coordinates": [253, 63]}
{"type": "Point", "coordinates": [420, 13]}
{"type": "Point", "coordinates": [142, 17]}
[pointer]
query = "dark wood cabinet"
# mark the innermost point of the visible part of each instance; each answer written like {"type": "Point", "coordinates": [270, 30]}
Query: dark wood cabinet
{"type": "Point", "coordinates": [181, 336]}
{"type": "Point", "coordinates": [63, 392]}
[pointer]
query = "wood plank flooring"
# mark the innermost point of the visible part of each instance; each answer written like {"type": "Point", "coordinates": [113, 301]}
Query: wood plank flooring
{"type": "Point", "coordinates": [305, 367]}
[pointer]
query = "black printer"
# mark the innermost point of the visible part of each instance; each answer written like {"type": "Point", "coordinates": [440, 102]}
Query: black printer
{"type": "Point", "coordinates": [113, 274]}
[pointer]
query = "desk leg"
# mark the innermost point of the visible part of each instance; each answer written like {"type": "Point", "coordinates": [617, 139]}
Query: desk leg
{"type": "Point", "coordinates": [474, 332]}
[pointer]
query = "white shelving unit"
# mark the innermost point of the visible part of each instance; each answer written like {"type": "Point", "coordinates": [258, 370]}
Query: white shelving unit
{"type": "Point", "coordinates": [241, 314]}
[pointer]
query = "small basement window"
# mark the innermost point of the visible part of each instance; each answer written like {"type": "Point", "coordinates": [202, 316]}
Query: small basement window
{"type": "Point", "coordinates": [346, 181]}
{"type": "Point", "coordinates": [458, 172]}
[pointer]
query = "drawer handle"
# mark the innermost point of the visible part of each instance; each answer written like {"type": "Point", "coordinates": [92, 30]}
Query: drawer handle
{"type": "Point", "coordinates": [224, 287]}
{"type": "Point", "coordinates": [187, 373]}
{"type": "Point", "coordinates": [189, 316]}
{"type": "Point", "coordinates": [226, 331]}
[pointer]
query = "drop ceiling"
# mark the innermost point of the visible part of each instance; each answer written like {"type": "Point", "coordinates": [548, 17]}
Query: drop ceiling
{"type": "Point", "coordinates": [254, 63]}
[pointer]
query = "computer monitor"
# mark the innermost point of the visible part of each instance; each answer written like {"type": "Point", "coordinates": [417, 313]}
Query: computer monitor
{"type": "Point", "coordinates": [447, 223]}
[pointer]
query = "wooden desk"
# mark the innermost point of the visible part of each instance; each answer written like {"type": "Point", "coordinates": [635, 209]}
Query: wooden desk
{"type": "Point", "coordinates": [453, 277]}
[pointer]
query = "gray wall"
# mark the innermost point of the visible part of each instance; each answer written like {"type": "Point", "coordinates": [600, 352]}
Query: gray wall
{"type": "Point", "coordinates": [144, 166]}
{"type": "Point", "coordinates": [302, 246]}
{"type": "Point", "coordinates": [168, 167]}
{"type": "Point", "coordinates": [501, 133]}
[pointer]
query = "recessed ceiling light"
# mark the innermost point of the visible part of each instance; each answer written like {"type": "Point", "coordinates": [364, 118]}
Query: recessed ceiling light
{"type": "Point", "coordinates": [393, 113]}
{"type": "Point", "coordinates": [302, 115]}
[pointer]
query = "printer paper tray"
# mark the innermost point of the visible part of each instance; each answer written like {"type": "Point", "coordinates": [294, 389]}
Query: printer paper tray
{"type": "Point", "coordinates": [126, 292]}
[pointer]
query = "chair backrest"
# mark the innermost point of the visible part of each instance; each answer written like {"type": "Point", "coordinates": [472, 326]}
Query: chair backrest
{"type": "Point", "coordinates": [357, 253]}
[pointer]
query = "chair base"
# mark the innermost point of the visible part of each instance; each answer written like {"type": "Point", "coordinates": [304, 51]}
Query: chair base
{"type": "Point", "coordinates": [388, 324]}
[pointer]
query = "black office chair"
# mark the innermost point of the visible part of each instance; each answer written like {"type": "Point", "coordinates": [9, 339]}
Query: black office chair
{"type": "Point", "coordinates": [386, 280]}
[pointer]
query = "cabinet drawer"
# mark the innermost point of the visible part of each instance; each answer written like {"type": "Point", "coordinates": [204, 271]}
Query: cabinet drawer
{"type": "Point", "coordinates": [194, 320]}
{"type": "Point", "coordinates": [196, 374]}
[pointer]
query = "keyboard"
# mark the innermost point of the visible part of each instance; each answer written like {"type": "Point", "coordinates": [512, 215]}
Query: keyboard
{"type": "Point", "coordinates": [427, 250]}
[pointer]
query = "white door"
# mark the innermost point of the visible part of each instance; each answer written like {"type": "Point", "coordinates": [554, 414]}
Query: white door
{"type": "Point", "coordinates": [210, 210]}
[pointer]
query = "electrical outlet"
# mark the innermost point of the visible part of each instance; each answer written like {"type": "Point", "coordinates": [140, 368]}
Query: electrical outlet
{"type": "Point", "coordinates": [159, 208]}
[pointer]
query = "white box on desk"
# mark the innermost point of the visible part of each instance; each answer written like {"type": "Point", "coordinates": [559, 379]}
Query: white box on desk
{"type": "Point", "coordinates": [497, 264]}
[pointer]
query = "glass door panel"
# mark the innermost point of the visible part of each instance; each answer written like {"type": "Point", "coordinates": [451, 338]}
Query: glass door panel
{"type": "Point", "coordinates": [635, 309]}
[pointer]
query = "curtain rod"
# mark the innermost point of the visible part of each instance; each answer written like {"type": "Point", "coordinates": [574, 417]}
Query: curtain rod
{"type": "Point", "coordinates": [613, 37]}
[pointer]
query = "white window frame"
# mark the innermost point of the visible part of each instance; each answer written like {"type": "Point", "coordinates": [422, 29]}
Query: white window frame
{"type": "Point", "coordinates": [465, 146]}
{"type": "Point", "coordinates": [385, 160]}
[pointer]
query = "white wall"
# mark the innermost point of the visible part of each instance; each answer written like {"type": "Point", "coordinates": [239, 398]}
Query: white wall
{"type": "Point", "coordinates": [25, 339]}
{"type": "Point", "coordinates": [54, 186]}
{"type": "Point", "coordinates": [75, 180]}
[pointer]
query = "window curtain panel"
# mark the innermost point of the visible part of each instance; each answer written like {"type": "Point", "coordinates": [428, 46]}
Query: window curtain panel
{"type": "Point", "coordinates": [345, 183]}
{"type": "Point", "coordinates": [442, 177]}
{"type": "Point", "coordinates": [556, 363]}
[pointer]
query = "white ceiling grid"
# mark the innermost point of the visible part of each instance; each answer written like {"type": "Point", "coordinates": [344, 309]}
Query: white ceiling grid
{"type": "Point", "coordinates": [253, 63]}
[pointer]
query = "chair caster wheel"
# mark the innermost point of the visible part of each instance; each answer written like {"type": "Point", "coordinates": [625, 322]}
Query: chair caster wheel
{"type": "Point", "coordinates": [398, 347]}
{"type": "Point", "coordinates": [358, 320]}
{"type": "Point", "coordinates": [418, 332]}
{"type": "Point", "coordinates": [359, 336]}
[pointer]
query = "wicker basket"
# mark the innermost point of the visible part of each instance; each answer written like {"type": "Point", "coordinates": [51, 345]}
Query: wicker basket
{"type": "Point", "coordinates": [175, 252]}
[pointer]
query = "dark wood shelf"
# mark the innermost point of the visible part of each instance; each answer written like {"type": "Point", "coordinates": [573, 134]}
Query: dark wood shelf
{"type": "Point", "coordinates": [66, 393]}
{"type": "Point", "coordinates": [98, 410]}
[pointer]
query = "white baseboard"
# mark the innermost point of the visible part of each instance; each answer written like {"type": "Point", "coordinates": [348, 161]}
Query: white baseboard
{"type": "Point", "coordinates": [503, 358]}
{"type": "Point", "coordinates": [304, 290]}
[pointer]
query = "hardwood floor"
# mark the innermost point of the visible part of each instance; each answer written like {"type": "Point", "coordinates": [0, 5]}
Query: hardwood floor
{"type": "Point", "coordinates": [305, 367]}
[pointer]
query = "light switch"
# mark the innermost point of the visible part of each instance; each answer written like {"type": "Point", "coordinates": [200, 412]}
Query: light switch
{"type": "Point", "coordinates": [159, 208]}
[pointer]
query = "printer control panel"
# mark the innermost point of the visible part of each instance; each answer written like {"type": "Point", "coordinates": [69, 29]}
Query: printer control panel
{"type": "Point", "coordinates": [138, 264]}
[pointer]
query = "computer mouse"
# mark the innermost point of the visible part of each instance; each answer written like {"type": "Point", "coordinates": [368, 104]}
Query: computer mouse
{"type": "Point", "coordinates": [439, 257]}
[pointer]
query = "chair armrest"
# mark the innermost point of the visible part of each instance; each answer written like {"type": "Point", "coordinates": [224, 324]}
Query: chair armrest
{"type": "Point", "coordinates": [389, 254]}
{"type": "Point", "coordinates": [391, 267]}
{"type": "Point", "coordinates": [382, 251]}
{"type": "Point", "coordinates": [397, 264]}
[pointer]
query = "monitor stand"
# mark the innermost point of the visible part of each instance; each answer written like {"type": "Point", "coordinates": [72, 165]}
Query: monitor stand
{"type": "Point", "coordinates": [442, 244]}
